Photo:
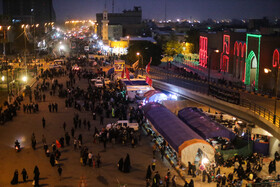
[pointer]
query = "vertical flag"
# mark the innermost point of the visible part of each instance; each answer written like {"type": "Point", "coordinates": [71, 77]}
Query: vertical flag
{"type": "Point", "coordinates": [123, 73]}
{"type": "Point", "coordinates": [127, 74]}
{"type": "Point", "coordinates": [148, 67]}
{"type": "Point", "coordinates": [149, 80]}
{"type": "Point", "coordinates": [58, 145]}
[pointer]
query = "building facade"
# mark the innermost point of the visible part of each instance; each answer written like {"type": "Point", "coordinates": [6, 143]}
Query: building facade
{"type": "Point", "coordinates": [244, 56]}
{"type": "Point", "coordinates": [125, 19]}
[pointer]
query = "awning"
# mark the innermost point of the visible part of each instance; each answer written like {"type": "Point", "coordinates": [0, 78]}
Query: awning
{"type": "Point", "coordinates": [203, 125]}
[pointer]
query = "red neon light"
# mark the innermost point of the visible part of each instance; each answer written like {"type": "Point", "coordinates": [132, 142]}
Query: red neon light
{"type": "Point", "coordinates": [243, 50]}
{"type": "Point", "coordinates": [203, 42]}
{"type": "Point", "coordinates": [235, 48]}
{"type": "Point", "coordinates": [226, 43]}
{"type": "Point", "coordinates": [275, 61]}
{"type": "Point", "coordinates": [240, 49]}
{"type": "Point", "coordinates": [224, 62]}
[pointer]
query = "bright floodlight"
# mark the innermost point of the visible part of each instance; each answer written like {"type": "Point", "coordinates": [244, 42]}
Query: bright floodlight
{"type": "Point", "coordinates": [3, 78]}
{"type": "Point", "coordinates": [61, 47]}
{"type": "Point", "coordinates": [137, 53]}
{"type": "Point", "coordinates": [24, 79]}
{"type": "Point", "coordinates": [205, 161]}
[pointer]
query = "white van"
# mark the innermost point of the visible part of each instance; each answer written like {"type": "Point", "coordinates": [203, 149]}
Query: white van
{"type": "Point", "coordinates": [125, 123]}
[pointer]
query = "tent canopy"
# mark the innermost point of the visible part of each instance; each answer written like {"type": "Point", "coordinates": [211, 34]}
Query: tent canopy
{"type": "Point", "coordinates": [179, 136]}
{"type": "Point", "coordinates": [203, 125]}
{"type": "Point", "coordinates": [154, 95]}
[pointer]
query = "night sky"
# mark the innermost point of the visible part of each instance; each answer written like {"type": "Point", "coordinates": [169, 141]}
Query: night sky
{"type": "Point", "coordinates": [177, 9]}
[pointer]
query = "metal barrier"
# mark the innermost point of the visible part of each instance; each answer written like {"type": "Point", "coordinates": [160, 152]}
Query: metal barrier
{"type": "Point", "coordinates": [202, 87]}
{"type": "Point", "coordinates": [261, 111]}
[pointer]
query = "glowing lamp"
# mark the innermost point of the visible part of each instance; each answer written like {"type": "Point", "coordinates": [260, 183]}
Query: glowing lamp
{"type": "Point", "coordinates": [266, 70]}
{"type": "Point", "coordinates": [24, 79]}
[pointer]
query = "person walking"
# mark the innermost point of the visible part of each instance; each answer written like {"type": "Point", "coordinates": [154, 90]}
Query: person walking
{"type": "Point", "coordinates": [64, 125]}
{"type": "Point", "coordinates": [149, 173]}
{"type": "Point", "coordinates": [55, 107]}
{"type": "Point", "coordinates": [43, 122]}
{"type": "Point", "coordinates": [127, 165]}
{"type": "Point", "coordinates": [50, 107]}
{"type": "Point", "coordinates": [24, 175]}
{"type": "Point", "coordinates": [15, 178]}
{"type": "Point", "coordinates": [89, 125]}
{"type": "Point", "coordinates": [90, 159]}
{"type": "Point", "coordinates": [72, 132]}
{"type": "Point", "coordinates": [33, 141]}
{"type": "Point", "coordinates": [75, 143]}
{"type": "Point", "coordinates": [59, 169]}
{"type": "Point", "coordinates": [36, 176]}
{"type": "Point", "coordinates": [67, 138]}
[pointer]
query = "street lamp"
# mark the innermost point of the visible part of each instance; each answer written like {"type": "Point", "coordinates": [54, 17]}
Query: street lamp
{"type": "Point", "coordinates": [266, 70]}
{"type": "Point", "coordinates": [24, 78]}
{"type": "Point", "coordinates": [209, 66]}
{"type": "Point", "coordinates": [139, 55]}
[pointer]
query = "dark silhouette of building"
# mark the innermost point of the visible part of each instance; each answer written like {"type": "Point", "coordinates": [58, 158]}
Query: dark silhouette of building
{"type": "Point", "coordinates": [130, 20]}
{"type": "Point", "coordinates": [29, 11]}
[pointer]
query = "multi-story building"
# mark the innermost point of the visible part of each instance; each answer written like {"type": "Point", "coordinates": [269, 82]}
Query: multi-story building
{"type": "Point", "coordinates": [126, 19]}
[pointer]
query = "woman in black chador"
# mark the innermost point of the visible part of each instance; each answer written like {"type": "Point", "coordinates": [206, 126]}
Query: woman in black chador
{"type": "Point", "coordinates": [120, 164]}
{"type": "Point", "coordinates": [126, 166]}
{"type": "Point", "coordinates": [15, 178]}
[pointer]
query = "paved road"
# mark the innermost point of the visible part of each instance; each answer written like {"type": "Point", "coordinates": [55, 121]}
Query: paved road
{"type": "Point", "coordinates": [24, 124]}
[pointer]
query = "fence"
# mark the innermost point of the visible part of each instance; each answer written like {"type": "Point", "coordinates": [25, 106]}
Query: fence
{"type": "Point", "coordinates": [261, 111]}
{"type": "Point", "coordinates": [201, 86]}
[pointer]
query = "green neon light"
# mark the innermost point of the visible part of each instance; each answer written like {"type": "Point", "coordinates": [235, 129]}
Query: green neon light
{"type": "Point", "coordinates": [254, 35]}
{"type": "Point", "coordinates": [248, 67]}
{"type": "Point", "coordinates": [249, 58]}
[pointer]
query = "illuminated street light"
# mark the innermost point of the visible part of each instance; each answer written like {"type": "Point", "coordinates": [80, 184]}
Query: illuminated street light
{"type": "Point", "coordinates": [137, 53]}
{"type": "Point", "coordinates": [266, 70]}
{"type": "Point", "coordinates": [61, 47]}
{"type": "Point", "coordinates": [22, 26]}
{"type": "Point", "coordinates": [24, 78]}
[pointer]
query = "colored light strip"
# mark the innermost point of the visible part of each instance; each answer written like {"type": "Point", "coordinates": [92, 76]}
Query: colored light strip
{"type": "Point", "coordinates": [249, 58]}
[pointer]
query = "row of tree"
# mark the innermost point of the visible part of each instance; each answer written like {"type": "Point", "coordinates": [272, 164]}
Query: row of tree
{"type": "Point", "coordinates": [161, 49]}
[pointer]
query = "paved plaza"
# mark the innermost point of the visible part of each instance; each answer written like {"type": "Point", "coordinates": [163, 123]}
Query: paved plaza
{"type": "Point", "coordinates": [22, 127]}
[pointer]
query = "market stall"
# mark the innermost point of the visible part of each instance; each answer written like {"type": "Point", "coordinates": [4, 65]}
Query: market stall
{"type": "Point", "coordinates": [187, 143]}
{"type": "Point", "coordinates": [203, 125]}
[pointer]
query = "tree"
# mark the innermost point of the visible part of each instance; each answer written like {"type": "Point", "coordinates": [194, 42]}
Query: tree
{"type": "Point", "coordinates": [172, 48]}
{"type": "Point", "coordinates": [147, 50]}
{"type": "Point", "coordinates": [193, 37]}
